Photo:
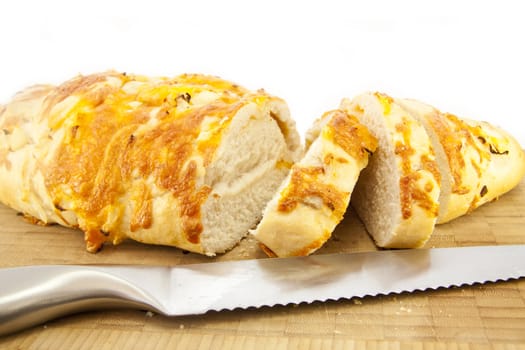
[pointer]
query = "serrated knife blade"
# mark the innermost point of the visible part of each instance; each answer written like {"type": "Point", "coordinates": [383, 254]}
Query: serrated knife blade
{"type": "Point", "coordinates": [34, 294]}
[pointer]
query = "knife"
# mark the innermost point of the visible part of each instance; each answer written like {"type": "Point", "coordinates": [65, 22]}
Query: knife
{"type": "Point", "coordinates": [35, 294]}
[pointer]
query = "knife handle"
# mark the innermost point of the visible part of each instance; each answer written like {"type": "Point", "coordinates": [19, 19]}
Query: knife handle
{"type": "Point", "coordinates": [36, 294]}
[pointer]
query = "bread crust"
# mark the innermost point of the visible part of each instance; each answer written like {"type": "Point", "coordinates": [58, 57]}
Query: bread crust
{"type": "Point", "coordinates": [124, 156]}
{"type": "Point", "coordinates": [315, 195]}
{"type": "Point", "coordinates": [502, 164]}
{"type": "Point", "coordinates": [417, 178]}
{"type": "Point", "coordinates": [484, 161]}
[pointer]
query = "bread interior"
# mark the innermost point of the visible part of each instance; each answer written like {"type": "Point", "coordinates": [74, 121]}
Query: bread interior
{"type": "Point", "coordinates": [244, 176]}
{"type": "Point", "coordinates": [376, 195]}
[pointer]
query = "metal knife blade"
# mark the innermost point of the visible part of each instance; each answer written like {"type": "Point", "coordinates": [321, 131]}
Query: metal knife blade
{"type": "Point", "coordinates": [35, 294]}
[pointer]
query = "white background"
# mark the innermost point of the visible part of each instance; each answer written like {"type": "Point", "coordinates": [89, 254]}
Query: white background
{"type": "Point", "coordinates": [465, 57]}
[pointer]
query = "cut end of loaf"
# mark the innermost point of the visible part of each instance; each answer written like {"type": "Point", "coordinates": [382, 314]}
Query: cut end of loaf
{"type": "Point", "coordinates": [249, 167]}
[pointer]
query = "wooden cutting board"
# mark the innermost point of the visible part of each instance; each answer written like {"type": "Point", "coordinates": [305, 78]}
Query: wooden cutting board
{"type": "Point", "coordinates": [485, 316]}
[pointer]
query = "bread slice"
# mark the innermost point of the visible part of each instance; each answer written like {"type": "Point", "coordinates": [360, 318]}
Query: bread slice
{"type": "Point", "coordinates": [312, 200]}
{"type": "Point", "coordinates": [396, 195]}
{"type": "Point", "coordinates": [478, 161]}
{"type": "Point", "coordinates": [189, 161]}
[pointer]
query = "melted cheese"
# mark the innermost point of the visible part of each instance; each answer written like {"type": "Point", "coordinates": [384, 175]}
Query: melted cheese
{"type": "Point", "coordinates": [386, 101]}
{"type": "Point", "coordinates": [305, 188]}
{"type": "Point", "coordinates": [123, 130]}
{"type": "Point", "coordinates": [354, 138]}
{"type": "Point", "coordinates": [305, 185]}
{"type": "Point", "coordinates": [415, 189]}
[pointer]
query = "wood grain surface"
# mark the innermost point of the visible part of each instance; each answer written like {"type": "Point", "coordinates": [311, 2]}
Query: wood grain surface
{"type": "Point", "coordinates": [480, 316]}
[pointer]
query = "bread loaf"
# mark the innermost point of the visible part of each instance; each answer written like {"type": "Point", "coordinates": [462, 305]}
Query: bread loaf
{"type": "Point", "coordinates": [396, 195]}
{"type": "Point", "coordinates": [478, 162]}
{"type": "Point", "coordinates": [195, 162]}
{"type": "Point", "coordinates": [189, 161]}
{"type": "Point", "coordinates": [430, 167]}
{"type": "Point", "coordinates": [315, 195]}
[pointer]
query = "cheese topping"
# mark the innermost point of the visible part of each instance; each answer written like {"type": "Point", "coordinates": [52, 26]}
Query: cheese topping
{"type": "Point", "coordinates": [415, 189]}
{"type": "Point", "coordinates": [469, 150]}
{"type": "Point", "coordinates": [307, 187]}
{"type": "Point", "coordinates": [386, 101]}
{"type": "Point", "coordinates": [353, 137]}
{"type": "Point", "coordinates": [130, 131]}
{"type": "Point", "coordinates": [468, 135]}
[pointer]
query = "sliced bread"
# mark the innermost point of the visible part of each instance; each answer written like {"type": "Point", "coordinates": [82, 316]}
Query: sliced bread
{"type": "Point", "coordinates": [313, 198]}
{"type": "Point", "coordinates": [397, 194]}
{"type": "Point", "coordinates": [478, 162]}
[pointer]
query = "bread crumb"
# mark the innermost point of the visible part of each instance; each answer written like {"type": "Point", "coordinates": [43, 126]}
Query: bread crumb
{"type": "Point", "coordinates": [357, 301]}
{"type": "Point", "coordinates": [181, 326]}
{"type": "Point", "coordinates": [149, 314]}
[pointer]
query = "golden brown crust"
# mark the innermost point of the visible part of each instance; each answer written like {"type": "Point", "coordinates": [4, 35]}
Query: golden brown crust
{"type": "Point", "coordinates": [109, 146]}
{"type": "Point", "coordinates": [355, 139]}
{"type": "Point", "coordinates": [142, 216]}
{"type": "Point", "coordinates": [267, 251]}
{"type": "Point", "coordinates": [35, 221]}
